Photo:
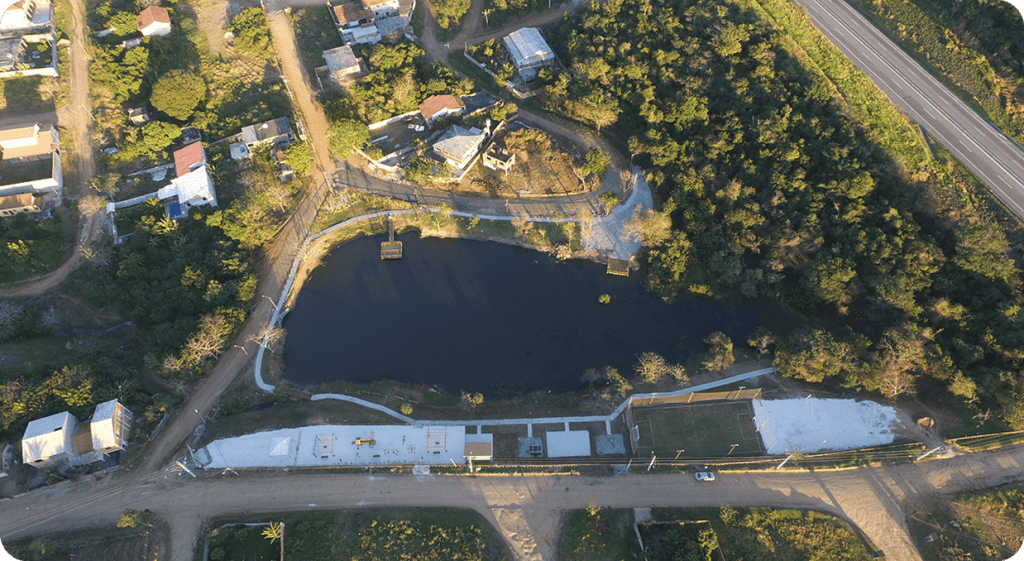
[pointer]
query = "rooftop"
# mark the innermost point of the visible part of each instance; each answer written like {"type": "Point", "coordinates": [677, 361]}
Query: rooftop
{"type": "Point", "coordinates": [326, 445]}
{"type": "Point", "coordinates": [341, 59]}
{"type": "Point", "coordinates": [528, 47]}
{"type": "Point", "coordinates": [188, 157]}
{"type": "Point", "coordinates": [459, 144]}
{"type": "Point", "coordinates": [194, 188]}
{"type": "Point", "coordinates": [351, 12]}
{"type": "Point", "coordinates": [46, 437]}
{"type": "Point", "coordinates": [266, 130]}
{"type": "Point", "coordinates": [104, 410]}
{"type": "Point", "coordinates": [28, 142]}
{"type": "Point", "coordinates": [437, 103]}
{"type": "Point", "coordinates": [151, 15]}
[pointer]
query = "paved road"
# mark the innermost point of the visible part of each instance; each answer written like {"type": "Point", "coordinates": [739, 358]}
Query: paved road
{"type": "Point", "coordinates": [994, 159]}
{"type": "Point", "coordinates": [525, 509]}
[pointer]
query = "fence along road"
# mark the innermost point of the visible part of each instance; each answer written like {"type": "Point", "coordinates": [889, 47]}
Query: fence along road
{"type": "Point", "coordinates": [981, 146]}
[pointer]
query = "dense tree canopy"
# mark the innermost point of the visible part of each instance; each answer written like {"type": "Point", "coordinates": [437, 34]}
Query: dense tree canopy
{"type": "Point", "coordinates": [346, 136]}
{"type": "Point", "coordinates": [178, 93]}
{"type": "Point", "coordinates": [400, 78]}
{"type": "Point", "coordinates": [776, 190]}
{"type": "Point", "coordinates": [251, 31]}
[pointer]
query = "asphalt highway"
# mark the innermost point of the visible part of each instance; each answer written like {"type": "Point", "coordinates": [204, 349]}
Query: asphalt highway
{"type": "Point", "coordinates": [993, 158]}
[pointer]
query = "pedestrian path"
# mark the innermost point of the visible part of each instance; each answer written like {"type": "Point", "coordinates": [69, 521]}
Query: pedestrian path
{"type": "Point", "coordinates": [530, 421]}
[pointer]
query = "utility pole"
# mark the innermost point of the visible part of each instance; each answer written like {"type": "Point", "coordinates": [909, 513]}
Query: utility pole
{"type": "Point", "coordinates": [731, 449]}
{"type": "Point", "coordinates": [488, 21]}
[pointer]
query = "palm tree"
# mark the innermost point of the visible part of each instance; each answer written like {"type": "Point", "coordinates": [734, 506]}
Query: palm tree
{"type": "Point", "coordinates": [274, 531]}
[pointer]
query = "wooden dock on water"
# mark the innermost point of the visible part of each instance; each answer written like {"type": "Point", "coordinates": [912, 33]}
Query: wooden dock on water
{"type": "Point", "coordinates": [619, 267]}
{"type": "Point", "coordinates": [391, 249]}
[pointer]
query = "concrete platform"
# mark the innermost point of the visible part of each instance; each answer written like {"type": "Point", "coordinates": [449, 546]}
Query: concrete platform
{"type": "Point", "coordinates": [568, 444]}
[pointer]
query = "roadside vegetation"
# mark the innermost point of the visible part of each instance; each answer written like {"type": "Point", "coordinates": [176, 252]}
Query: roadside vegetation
{"type": "Point", "coordinates": [376, 535]}
{"type": "Point", "coordinates": [786, 174]}
{"type": "Point", "coordinates": [450, 16]}
{"type": "Point", "coordinates": [972, 46]}
{"type": "Point", "coordinates": [501, 12]}
{"type": "Point", "coordinates": [598, 534]}
{"type": "Point", "coordinates": [765, 533]}
{"type": "Point", "coordinates": [136, 535]}
{"type": "Point", "coordinates": [986, 525]}
{"type": "Point", "coordinates": [29, 247]}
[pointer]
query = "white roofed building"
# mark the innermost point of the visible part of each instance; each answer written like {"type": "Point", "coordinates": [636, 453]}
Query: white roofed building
{"type": "Point", "coordinates": [48, 440]}
{"type": "Point", "coordinates": [195, 188]}
{"type": "Point", "coordinates": [529, 51]}
{"type": "Point", "coordinates": [110, 427]}
{"type": "Point", "coordinates": [62, 438]}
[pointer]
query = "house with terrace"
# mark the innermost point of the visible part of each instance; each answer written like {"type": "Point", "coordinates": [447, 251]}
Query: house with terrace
{"type": "Point", "coordinates": [355, 23]}
{"type": "Point", "coordinates": [193, 186]}
{"type": "Point", "coordinates": [28, 42]}
{"type": "Point", "coordinates": [368, 21]}
{"type": "Point", "coordinates": [30, 165]}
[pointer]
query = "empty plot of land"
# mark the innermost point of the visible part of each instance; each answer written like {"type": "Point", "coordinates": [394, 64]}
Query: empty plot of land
{"type": "Point", "coordinates": [704, 430]}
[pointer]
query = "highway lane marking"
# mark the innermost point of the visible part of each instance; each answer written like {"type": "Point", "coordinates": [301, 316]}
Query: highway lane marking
{"type": "Point", "coordinates": [999, 163]}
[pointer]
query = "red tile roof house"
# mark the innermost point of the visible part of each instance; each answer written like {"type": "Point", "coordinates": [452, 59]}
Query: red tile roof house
{"type": "Point", "coordinates": [154, 20]}
{"type": "Point", "coordinates": [437, 106]}
{"type": "Point", "coordinates": [189, 158]}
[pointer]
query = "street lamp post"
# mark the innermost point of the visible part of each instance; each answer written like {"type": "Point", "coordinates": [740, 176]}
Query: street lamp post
{"type": "Point", "coordinates": [201, 418]}
{"type": "Point", "coordinates": [731, 449]}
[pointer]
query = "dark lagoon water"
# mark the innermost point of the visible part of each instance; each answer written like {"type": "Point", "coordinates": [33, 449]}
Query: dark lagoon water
{"type": "Point", "coordinates": [489, 317]}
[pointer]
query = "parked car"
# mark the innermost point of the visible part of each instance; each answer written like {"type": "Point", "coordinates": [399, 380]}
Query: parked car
{"type": "Point", "coordinates": [705, 476]}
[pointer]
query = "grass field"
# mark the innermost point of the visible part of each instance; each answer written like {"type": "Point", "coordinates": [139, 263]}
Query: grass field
{"type": "Point", "coordinates": [699, 430]}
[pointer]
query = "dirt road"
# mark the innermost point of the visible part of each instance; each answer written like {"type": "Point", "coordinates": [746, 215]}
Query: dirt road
{"type": "Point", "coordinates": [76, 118]}
{"type": "Point", "coordinates": [526, 509]}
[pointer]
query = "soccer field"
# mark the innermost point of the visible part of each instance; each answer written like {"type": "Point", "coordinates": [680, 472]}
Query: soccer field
{"type": "Point", "coordinates": [702, 430]}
